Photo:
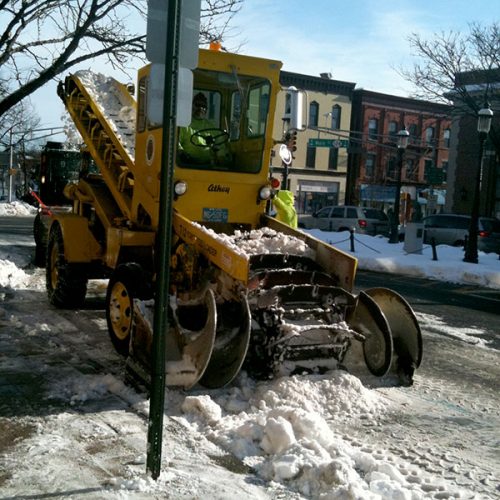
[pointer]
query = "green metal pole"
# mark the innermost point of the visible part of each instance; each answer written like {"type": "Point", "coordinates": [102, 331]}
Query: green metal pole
{"type": "Point", "coordinates": [161, 323]}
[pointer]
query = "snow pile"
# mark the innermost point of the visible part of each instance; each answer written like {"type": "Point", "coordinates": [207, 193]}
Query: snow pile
{"type": "Point", "coordinates": [375, 254]}
{"type": "Point", "coordinates": [261, 241]}
{"type": "Point", "coordinates": [17, 208]}
{"type": "Point", "coordinates": [111, 101]}
{"type": "Point", "coordinates": [11, 276]}
{"type": "Point", "coordinates": [293, 431]}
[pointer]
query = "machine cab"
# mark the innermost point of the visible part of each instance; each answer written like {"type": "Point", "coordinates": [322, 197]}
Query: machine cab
{"type": "Point", "coordinates": [224, 154]}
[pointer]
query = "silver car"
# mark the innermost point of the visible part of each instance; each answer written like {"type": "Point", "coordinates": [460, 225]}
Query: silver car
{"type": "Point", "coordinates": [362, 220]}
{"type": "Point", "coordinates": [451, 229]}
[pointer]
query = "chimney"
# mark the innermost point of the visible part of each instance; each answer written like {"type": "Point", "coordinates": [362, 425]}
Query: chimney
{"type": "Point", "coordinates": [326, 76]}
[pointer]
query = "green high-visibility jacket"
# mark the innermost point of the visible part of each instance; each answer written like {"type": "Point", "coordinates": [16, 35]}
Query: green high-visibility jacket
{"type": "Point", "coordinates": [285, 210]}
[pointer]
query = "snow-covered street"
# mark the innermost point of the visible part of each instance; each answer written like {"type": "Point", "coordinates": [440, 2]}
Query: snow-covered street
{"type": "Point", "coordinates": [71, 427]}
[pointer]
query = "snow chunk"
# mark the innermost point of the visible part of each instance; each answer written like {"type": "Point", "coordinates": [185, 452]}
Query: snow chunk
{"type": "Point", "coordinates": [203, 406]}
{"type": "Point", "coordinates": [278, 436]}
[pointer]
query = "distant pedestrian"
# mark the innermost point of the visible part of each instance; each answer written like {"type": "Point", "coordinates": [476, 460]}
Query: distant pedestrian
{"type": "Point", "coordinates": [285, 210]}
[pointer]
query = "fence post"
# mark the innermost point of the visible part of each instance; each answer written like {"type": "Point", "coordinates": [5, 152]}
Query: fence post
{"type": "Point", "coordinates": [434, 253]}
{"type": "Point", "coordinates": [351, 238]}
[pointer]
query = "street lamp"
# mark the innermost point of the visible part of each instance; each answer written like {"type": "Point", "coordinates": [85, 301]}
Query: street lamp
{"type": "Point", "coordinates": [403, 136]}
{"type": "Point", "coordinates": [484, 117]}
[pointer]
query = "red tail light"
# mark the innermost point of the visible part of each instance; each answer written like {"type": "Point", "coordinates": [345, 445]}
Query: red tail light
{"type": "Point", "coordinates": [362, 223]}
{"type": "Point", "coordinates": [483, 234]}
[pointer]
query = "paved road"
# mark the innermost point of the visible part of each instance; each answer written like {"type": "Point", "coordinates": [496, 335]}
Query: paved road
{"type": "Point", "coordinates": [16, 225]}
{"type": "Point", "coordinates": [458, 305]}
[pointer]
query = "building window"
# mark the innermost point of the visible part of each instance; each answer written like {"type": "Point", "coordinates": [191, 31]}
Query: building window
{"type": "Point", "coordinates": [313, 114]}
{"type": "Point", "coordinates": [333, 158]}
{"type": "Point", "coordinates": [444, 166]}
{"type": "Point", "coordinates": [428, 166]}
{"type": "Point", "coordinates": [393, 130]}
{"type": "Point", "coordinates": [413, 131]}
{"type": "Point", "coordinates": [411, 170]}
{"type": "Point", "coordinates": [446, 138]}
{"type": "Point", "coordinates": [370, 166]}
{"type": "Point", "coordinates": [429, 136]}
{"type": "Point", "coordinates": [310, 157]}
{"type": "Point", "coordinates": [373, 129]}
{"type": "Point", "coordinates": [391, 168]}
{"type": "Point", "coordinates": [336, 112]}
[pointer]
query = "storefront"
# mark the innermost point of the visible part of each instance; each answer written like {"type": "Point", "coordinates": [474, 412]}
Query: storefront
{"type": "Point", "coordinates": [313, 195]}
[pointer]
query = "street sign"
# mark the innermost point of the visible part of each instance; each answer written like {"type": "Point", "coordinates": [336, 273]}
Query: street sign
{"type": "Point", "coordinates": [189, 32]}
{"type": "Point", "coordinates": [328, 143]}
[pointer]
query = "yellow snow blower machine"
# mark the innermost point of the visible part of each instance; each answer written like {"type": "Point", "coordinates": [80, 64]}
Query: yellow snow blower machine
{"type": "Point", "coordinates": [245, 290]}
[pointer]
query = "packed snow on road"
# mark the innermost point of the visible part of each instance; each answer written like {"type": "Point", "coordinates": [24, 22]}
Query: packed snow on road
{"type": "Point", "coordinates": [70, 426]}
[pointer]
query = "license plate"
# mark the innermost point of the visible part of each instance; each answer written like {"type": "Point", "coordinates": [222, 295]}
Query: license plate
{"type": "Point", "coordinates": [215, 214]}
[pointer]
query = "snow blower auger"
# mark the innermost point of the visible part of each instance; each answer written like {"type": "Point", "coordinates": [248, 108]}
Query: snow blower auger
{"type": "Point", "coordinates": [280, 313]}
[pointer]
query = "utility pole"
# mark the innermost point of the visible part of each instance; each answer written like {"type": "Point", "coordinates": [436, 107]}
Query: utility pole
{"type": "Point", "coordinates": [11, 166]}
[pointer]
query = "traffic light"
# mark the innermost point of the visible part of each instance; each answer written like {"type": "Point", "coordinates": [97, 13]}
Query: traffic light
{"type": "Point", "coordinates": [291, 141]}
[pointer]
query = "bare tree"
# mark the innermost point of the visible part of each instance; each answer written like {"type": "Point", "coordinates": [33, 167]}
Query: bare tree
{"type": "Point", "coordinates": [459, 67]}
{"type": "Point", "coordinates": [216, 17]}
{"type": "Point", "coordinates": [448, 55]}
{"type": "Point", "coordinates": [40, 39]}
{"type": "Point", "coordinates": [17, 124]}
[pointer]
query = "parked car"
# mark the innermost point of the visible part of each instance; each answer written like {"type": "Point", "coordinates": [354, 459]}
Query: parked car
{"type": "Point", "coordinates": [344, 218]}
{"type": "Point", "coordinates": [450, 229]}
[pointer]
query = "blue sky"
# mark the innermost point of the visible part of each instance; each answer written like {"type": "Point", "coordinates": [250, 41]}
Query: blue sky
{"type": "Point", "coordinates": [359, 41]}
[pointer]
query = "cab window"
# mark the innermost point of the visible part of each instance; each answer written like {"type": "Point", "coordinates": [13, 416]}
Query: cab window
{"type": "Point", "coordinates": [258, 106]}
{"type": "Point", "coordinates": [238, 107]}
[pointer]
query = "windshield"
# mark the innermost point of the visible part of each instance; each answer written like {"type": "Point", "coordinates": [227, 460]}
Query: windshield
{"type": "Point", "coordinates": [229, 119]}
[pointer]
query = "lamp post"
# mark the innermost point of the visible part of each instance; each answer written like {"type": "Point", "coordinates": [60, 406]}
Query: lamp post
{"type": "Point", "coordinates": [484, 117]}
{"type": "Point", "coordinates": [403, 136]}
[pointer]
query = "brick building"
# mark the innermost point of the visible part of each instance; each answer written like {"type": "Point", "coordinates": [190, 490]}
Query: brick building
{"type": "Point", "coordinates": [376, 120]}
{"type": "Point", "coordinates": [464, 147]}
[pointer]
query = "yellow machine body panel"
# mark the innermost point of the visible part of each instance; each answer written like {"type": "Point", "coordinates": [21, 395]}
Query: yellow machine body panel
{"type": "Point", "coordinates": [80, 245]}
{"type": "Point", "coordinates": [229, 260]}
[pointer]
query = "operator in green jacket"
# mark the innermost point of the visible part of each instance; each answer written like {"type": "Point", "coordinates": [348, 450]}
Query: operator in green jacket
{"type": "Point", "coordinates": [202, 141]}
{"type": "Point", "coordinates": [285, 210]}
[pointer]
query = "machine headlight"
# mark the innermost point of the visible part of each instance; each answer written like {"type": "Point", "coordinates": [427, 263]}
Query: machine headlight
{"type": "Point", "coordinates": [180, 188]}
{"type": "Point", "coordinates": [265, 193]}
